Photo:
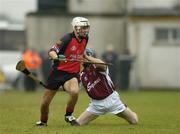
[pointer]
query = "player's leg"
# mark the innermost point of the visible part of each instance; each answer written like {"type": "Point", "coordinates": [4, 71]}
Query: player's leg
{"type": "Point", "coordinates": [86, 117]}
{"type": "Point", "coordinates": [117, 107]}
{"type": "Point", "coordinates": [47, 98]}
{"type": "Point", "coordinates": [72, 87]}
{"type": "Point", "coordinates": [129, 115]}
{"type": "Point", "coordinates": [94, 110]}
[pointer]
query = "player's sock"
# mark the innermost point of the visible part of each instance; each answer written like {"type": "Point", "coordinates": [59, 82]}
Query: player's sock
{"type": "Point", "coordinates": [69, 111]}
{"type": "Point", "coordinates": [44, 118]}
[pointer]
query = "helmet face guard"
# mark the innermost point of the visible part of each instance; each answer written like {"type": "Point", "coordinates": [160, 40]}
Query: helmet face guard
{"type": "Point", "coordinates": [81, 26]}
{"type": "Point", "coordinates": [82, 31]}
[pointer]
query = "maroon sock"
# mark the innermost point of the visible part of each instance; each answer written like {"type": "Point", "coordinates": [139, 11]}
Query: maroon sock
{"type": "Point", "coordinates": [44, 118]}
{"type": "Point", "coordinates": [69, 111]}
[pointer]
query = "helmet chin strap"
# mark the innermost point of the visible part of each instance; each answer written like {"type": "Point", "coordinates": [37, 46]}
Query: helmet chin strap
{"type": "Point", "coordinates": [81, 37]}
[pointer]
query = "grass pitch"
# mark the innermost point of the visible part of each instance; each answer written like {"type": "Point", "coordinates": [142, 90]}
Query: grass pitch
{"type": "Point", "coordinates": [158, 111]}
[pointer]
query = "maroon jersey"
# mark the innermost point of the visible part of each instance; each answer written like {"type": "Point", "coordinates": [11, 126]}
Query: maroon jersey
{"type": "Point", "coordinates": [98, 84]}
{"type": "Point", "coordinates": [72, 49]}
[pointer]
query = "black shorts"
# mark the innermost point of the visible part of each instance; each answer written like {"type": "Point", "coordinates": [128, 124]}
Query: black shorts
{"type": "Point", "coordinates": [57, 78]}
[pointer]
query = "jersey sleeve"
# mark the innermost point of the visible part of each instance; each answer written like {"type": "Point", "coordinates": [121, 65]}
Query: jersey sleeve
{"type": "Point", "coordinates": [60, 48]}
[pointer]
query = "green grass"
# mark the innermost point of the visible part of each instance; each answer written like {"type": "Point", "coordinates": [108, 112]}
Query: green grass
{"type": "Point", "coordinates": [158, 111]}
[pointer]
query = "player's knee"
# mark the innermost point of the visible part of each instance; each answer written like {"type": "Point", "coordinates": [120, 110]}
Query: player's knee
{"type": "Point", "coordinates": [134, 119]}
{"type": "Point", "coordinates": [74, 91]}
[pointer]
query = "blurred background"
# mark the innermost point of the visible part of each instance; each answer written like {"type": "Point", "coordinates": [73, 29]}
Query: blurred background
{"type": "Point", "coordinates": [141, 38]}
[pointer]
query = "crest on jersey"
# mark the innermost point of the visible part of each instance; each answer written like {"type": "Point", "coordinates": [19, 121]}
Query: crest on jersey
{"type": "Point", "coordinates": [73, 48]}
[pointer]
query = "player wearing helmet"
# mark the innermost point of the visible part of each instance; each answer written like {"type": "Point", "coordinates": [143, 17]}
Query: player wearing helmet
{"type": "Point", "coordinates": [65, 74]}
{"type": "Point", "coordinates": [81, 27]}
{"type": "Point", "coordinates": [104, 99]}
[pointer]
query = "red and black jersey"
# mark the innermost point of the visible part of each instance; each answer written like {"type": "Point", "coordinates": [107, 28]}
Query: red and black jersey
{"type": "Point", "coordinates": [98, 84]}
{"type": "Point", "coordinates": [72, 49]}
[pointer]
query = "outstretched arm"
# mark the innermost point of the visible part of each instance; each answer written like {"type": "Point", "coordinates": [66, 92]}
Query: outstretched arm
{"type": "Point", "coordinates": [96, 60]}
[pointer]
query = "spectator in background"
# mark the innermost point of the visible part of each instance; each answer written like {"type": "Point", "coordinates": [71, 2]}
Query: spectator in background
{"type": "Point", "coordinates": [125, 67]}
{"type": "Point", "coordinates": [111, 56]}
{"type": "Point", "coordinates": [32, 61]}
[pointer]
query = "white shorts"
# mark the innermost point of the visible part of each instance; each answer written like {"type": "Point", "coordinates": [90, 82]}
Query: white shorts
{"type": "Point", "coordinates": [112, 104]}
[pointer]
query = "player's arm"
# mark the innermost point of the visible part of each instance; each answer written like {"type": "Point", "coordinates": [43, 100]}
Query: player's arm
{"type": "Point", "coordinates": [96, 60]}
{"type": "Point", "coordinates": [53, 53]}
{"type": "Point", "coordinates": [57, 50]}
